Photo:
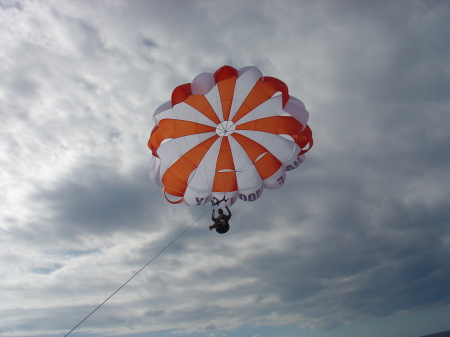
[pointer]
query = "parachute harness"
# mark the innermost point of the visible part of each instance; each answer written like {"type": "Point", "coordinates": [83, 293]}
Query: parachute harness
{"type": "Point", "coordinates": [123, 285]}
{"type": "Point", "coordinates": [216, 202]}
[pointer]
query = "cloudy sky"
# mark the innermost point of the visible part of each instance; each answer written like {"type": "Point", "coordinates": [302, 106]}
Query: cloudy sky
{"type": "Point", "coordinates": [355, 244]}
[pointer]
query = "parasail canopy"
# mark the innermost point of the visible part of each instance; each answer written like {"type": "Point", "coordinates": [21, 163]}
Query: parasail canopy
{"type": "Point", "coordinates": [227, 135]}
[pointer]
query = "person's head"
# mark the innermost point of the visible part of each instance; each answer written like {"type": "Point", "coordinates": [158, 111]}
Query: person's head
{"type": "Point", "coordinates": [220, 210]}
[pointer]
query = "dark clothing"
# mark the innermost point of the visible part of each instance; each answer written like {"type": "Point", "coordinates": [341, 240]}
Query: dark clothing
{"type": "Point", "coordinates": [222, 217]}
{"type": "Point", "coordinates": [222, 228]}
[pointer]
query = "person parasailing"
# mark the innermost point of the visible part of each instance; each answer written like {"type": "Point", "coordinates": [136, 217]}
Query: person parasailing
{"type": "Point", "coordinates": [221, 222]}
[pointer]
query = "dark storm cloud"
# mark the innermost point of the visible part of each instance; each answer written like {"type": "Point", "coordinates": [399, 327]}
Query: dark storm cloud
{"type": "Point", "coordinates": [95, 198]}
{"type": "Point", "coordinates": [10, 4]}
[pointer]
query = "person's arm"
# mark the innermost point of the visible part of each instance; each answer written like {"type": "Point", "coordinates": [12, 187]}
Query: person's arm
{"type": "Point", "coordinates": [212, 216]}
{"type": "Point", "coordinates": [229, 213]}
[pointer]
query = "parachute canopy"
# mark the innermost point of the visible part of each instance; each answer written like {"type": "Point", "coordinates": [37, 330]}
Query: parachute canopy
{"type": "Point", "coordinates": [228, 134]}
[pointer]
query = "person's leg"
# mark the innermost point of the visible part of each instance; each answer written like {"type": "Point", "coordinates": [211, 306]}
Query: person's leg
{"type": "Point", "coordinates": [214, 225]}
{"type": "Point", "coordinates": [217, 224]}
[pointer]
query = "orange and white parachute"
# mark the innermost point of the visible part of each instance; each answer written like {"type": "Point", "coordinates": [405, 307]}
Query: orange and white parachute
{"type": "Point", "coordinates": [227, 135]}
